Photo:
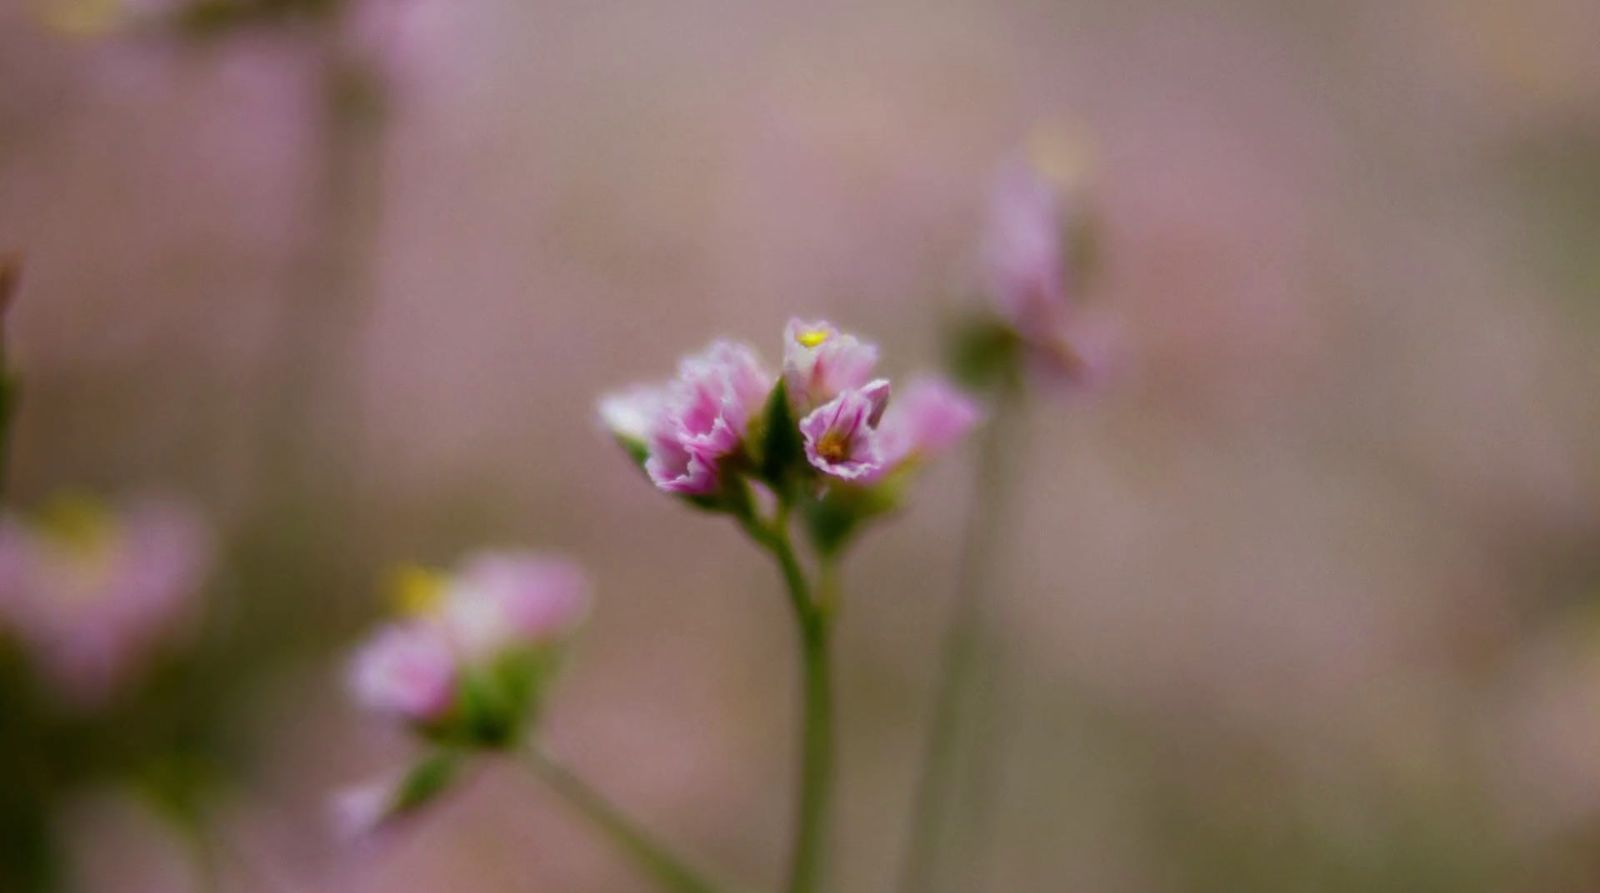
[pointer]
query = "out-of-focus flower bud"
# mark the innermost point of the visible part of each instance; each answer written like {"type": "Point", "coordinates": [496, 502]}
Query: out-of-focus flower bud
{"type": "Point", "coordinates": [91, 592]}
{"type": "Point", "coordinates": [469, 661]}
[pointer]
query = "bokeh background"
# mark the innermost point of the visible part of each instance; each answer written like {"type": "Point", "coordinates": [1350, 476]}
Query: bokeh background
{"type": "Point", "coordinates": [1304, 598]}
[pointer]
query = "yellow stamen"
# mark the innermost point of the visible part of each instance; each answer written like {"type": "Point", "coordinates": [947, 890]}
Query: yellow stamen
{"type": "Point", "coordinates": [811, 337]}
{"type": "Point", "coordinates": [833, 447]}
{"type": "Point", "coordinates": [77, 521]}
{"type": "Point", "coordinates": [415, 590]}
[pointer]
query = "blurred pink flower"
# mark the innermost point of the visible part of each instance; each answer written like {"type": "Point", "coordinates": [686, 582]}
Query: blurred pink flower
{"type": "Point", "coordinates": [1024, 249]}
{"type": "Point", "coordinates": [498, 603]}
{"type": "Point", "coordinates": [407, 670]}
{"type": "Point", "coordinates": [501, 600]}
{"type": "Point", "coordinates": [929, 416]}
{"type": "Point", "coordinates": [91, 593]}
{"type": "Point", "coordinates": [820, 362]}
{"type": "Point", "coordinates": [1028, 270]}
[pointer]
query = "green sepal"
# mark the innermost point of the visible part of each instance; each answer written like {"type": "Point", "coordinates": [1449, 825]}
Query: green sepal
{"type": "Point", "coordinates": [429, 778]}
{"type": "Point", "coordinates": [834, 519]}
{"type": "Point", "coordinates": [779, 452]}
{"type": "Point", "coordinates": [499, 703]}
{"type": "Point", "coordinates": [637, 449]}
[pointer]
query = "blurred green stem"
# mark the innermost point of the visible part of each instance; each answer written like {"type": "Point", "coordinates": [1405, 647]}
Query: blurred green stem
{"type": "Point", "coordinates": [814, 621]}
{"type": "Point", "coordinates": [967, 655]}
{"type": "Point", "coordinates": [651, 857]}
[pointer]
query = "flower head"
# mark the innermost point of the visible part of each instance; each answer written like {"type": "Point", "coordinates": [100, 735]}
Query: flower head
{"type": "Point", "coordinates": [820, 362]}
{"type": "Point", "coordinates": [91, 592]}
{"type": "Point", "coordinates": [826, 437]}
{"type": "Point", "coordinates": [487, 627]}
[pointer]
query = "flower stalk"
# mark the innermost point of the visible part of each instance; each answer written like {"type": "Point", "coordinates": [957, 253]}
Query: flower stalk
{"type": "Point", "coordinates": [813, 614]}
{"type": "Point", "coordinates": [651, 857]}
{"type": "Point", "coordinates": [959, 750]}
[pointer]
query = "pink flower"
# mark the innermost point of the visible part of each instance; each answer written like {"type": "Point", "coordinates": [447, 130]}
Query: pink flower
{"type": "Point", "coordinates": [1024, 250]}
{"type": "Point", "coordinates": [717, 393]}
{"type": "Point", "coordinates": [91, 593]}
{"type": "Point", "coordinates": [503, 600]}
{"type": "Point", "coordinates": [839, 436]}
{"type": "Point", "coordinates": [856, 437]}
{"type": "Point", "coordinates": [1029, 274]}
{"type": "Point", "coordinates": [820, 362]}
{"type": "Point", "coordinates": [689, 426]}
{"type": "Point", "coordinates": [927, 417]}
{"type": "Point", "coordinates": [407, 670]}
{"type": "Point", "coordinates": [497, 603]}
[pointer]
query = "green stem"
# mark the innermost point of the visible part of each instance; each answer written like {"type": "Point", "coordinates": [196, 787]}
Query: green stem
{"type": "Point", "coordinates": [813, 619]}
{"type": "Point", "coordinates": [652, 858]}
{"type": "Point", "coordinates": [957, 694]}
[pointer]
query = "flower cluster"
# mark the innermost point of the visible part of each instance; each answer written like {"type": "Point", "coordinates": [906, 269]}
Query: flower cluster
{"type": "Point", "coordinates": [466, 667]}
{"type": "Point", "coordinates": [825, 423]}
{"type": "Point", "coordinates": [466, 661]}
{"type": "Point", "coordinates": [92, 593]}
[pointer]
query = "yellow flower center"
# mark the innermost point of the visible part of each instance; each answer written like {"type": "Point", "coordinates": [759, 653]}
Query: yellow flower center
{"type": "Point", "coordinates": [811, 337]}
{"type": "Point", "coordinates": [833, 446]}
{"type": "Point", "coordinates": [78, 522]}
{"type": "Point", "coordinates": [415, 590]}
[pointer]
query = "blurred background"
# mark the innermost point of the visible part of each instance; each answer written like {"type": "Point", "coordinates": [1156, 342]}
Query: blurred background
{"type": "Point", "coordinates": [1306, 598]}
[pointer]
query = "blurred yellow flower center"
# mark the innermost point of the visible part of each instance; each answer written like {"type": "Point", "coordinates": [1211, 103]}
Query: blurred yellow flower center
{"type": "Point", "coordinates": [833, 446]}
{"type": "Point", "coordinates": [78, 522]}
{"type": "Point", "coordinates": [1063, 152]}
{"type": "Point", "coordinates": [812, 337]}
{"type": "Point", "coordinates": [416, 590]}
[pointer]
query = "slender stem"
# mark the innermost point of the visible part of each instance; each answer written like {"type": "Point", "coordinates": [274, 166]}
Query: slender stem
{"type": "Point", "coordinates": [652, 858]}
{"type": "Point", "coordinates": [957, 693]}
{"type": "Point", "coordinates": [813, 620]}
